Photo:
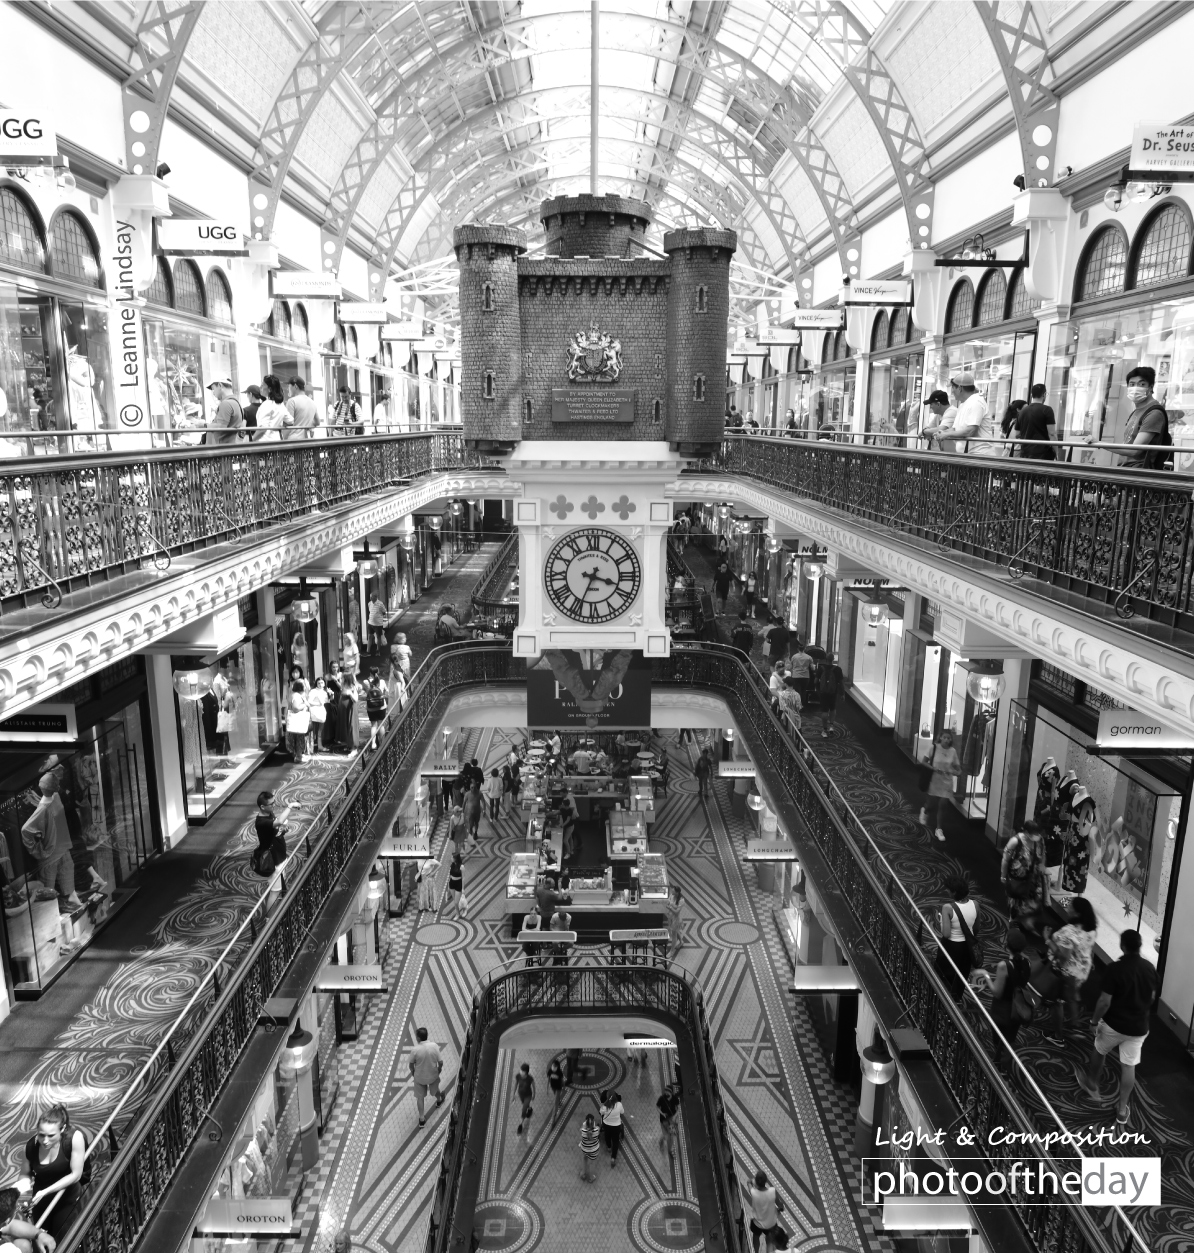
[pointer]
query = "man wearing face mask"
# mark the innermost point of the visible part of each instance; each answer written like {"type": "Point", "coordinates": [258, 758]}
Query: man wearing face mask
{"type": "Point", "coordinates": [1148, 423]}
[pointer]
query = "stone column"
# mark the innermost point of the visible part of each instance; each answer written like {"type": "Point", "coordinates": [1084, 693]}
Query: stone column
{"type": "Point", "coordinates": [167, 759]}
{"type": "Point", "coordinates": [1017, 671]}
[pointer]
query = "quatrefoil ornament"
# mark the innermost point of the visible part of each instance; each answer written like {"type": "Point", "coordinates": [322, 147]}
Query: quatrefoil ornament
{"type": "Point", "coordinates": [561, 507]}
{"type": "Point", "coordinates": [592, 507]}
{"type": "Point", "coordinates": [623, 507]}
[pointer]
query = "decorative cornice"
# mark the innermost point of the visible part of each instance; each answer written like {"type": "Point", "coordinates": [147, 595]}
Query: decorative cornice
{"type": "Point", "coordinates": [51, 657]}
{"type": "Point", "coordinates": [1132, 668]}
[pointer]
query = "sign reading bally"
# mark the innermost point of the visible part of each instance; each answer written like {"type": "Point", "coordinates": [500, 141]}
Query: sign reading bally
{"type": "Point", "coordinates": [200, 237]}
{"type": "Point", "coordinates": [26, 136]}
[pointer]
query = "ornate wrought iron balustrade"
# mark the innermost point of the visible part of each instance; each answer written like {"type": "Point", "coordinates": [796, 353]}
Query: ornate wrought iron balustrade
{"type": "Point", "coordinates": [550, 991]}
{"type": "Point", "coordinates": [489, 604]}
{"type": "Point", "coordinates": [1116, 537]}
{"type": "Point", "coordinates": [68, 522]}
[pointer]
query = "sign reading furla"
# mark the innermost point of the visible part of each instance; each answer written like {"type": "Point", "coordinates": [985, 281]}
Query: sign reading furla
{"type": "Point", "coordinates": [25, 135]}
{"type": "Point", "coordinates": [200, 237]}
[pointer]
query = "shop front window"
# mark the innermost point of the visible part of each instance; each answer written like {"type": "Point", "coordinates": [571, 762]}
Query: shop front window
{"type": "Point", "coordinates": [1118, 840]}
{"type": "Point", "coordinates": [21, 241]}
{"type": "Point", "coordinates": [1001, 363]}
{"type": "Point", "coordinates": [1088, 364]}
{"type": "Point", "coordinates": [878, 639]}
{"type": "Point", "coordinates": [915, 725]}
{"type": "Point", "coordinates": [227, 731]}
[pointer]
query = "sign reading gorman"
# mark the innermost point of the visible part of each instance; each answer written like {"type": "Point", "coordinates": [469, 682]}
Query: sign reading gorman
{"type": "Point", "coordinates": [1124, 728]}
{"type": "Point", "coordinates": [592, 404]}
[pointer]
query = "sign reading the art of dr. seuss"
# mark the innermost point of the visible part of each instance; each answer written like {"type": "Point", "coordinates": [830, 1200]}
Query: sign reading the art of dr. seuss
{"type": "Point", "coordinates": [25, 135]}
{"type": "Point", "coordinates": [1164, 149]}
{"type": "Point", "coordinates": [200, 237]}
{"type": "Point", "coordinates": [877, 292]}
{"type": "Point", "coordinates": [296, 284]}
{"type": "Point", "coordinates": [132, 370]}
{"type": "Point", "coordinates": [1124, 728]}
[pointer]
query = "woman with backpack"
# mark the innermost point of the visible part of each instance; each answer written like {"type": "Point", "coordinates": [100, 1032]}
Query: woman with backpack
{"type": "Point", "coordinates": [1022, 873]}
{"type": "Point", "coordinates": [959, 915]}
{"type": "Point", "coordinates": [376, 705]}
{"type": "Point", "coordinates": [55, 1163]}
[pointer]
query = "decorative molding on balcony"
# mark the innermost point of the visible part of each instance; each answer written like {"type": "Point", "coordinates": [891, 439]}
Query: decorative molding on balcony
{"type": "Point", "coordinates": [64, 650]}
{"type": "Point", "coordinates": [1131, 667]}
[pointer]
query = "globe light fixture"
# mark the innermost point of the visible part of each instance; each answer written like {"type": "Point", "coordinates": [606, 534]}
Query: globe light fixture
{"type": "Point", "coordinates": [985, 688]}
{"type": "Point", "coordinates": [755, 801]}
{"type": "Point", "coordinates": [814, 571]}
{"type": "Point", "coordinates": [457, 508]}
{"type": "Point", "coordinates": [193, 684]}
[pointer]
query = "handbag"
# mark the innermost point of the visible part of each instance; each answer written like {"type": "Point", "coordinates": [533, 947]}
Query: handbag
{"type": "Point", "coordinates": [223, 721]}
{"type": "Point", "coordinates": [924, 777]}
{"type": "Point", "coordinates": [1022, 1009]}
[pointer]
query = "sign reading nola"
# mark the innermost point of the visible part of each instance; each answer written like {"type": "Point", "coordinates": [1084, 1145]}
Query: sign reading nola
{"type": "Point", "coordinates": [594, 356]}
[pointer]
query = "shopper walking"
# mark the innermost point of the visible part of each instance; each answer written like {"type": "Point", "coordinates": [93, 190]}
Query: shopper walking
{"type": "Point", "coordinates": [298, 722]}
{"type": "Point", "coordinates": [400, 654]}
{"type": "Point", "coordinates": [612, 1113]}
{"type": "Point", "coordinates": [775, 680]}
{"type": "Point", "coordinates": [472, 816]}
{"type": "Point", "coordinates": [555, 1081]}
{"type": "Point", "coordinates": [829, 679]}
{"type": "Point", "coordinates": [668, 1105]}
{"type": "Point", "coordinates": [974, 425]}
{"type": "Point", "coordinates": [590, 1138]}
{"type": "Point", "coordinates": [1122, 1018]}
{"type": "Point", "coordinates": [426, 883]}
{"type": "Point", "coordinates": [524, 1094]}
{"type": "Point", "coordinates": [376, 705]}
{"type": "Point", "coordinates": [1033, 425]}
{"type": "Point", "coordinates": [456, 884]}
{"type": "Point", "coordinates": [350, 655]}
{"type": "Point", "coordinates": [256, 396]}
{"type": "Point", "coordinates": [54, 1159]}
{"type": "Point", "coordinates": [270, 827]}
{"type": "Point", "coordinates": [1023, 875]}
{"type": "Point", "coordinates": [721, 588]}
{"type": "Point", "coordinates": [703, 769]}
{"type": "Point", "coordinates": [347, 415]}
{"type": "Point", "coordinates": [800, 667]}
{"type": "Point", "coordinates": [494, 789]}
{"type": "Point", "coordinates": [1071, 950]}
{"type": "Point", "coordinates": [376, 621]}
{"type": "Point", "coordinates": [302, 416]}
{"type": "Point", "coordinates": [765, 1204]}
{"type": "Point", "coordinates": [791, 707]}
{"type": "Point", "coordinates": [944, 763]}
{"type": "Point", "coordinates": [959, 916]}
{"type": "Point", "coordinates": [271, 413]}
{"type": "Point", "coordinates": [317, 702]}
{"type": "Point", "coordinates": [226, 423]}
{"type": "Point", "coordinates": [743, 638]}
{"type": "Point", "coordinates": [778, 637]}
{"type": "Point", "coordinates": [425, 1066]}
{"type": "Point", "coordinates": [1010, 1009]}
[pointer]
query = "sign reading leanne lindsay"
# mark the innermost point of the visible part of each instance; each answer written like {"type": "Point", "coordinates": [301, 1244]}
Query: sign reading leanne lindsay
{"type": "Point", "coordinates": [878, 292]}
{"type": "Point", "coordinates": [553, 703]}
{"type": "Point", "coordinates": [1124, 729]}
{"type": "Point", "coordinates": [1163, 148]}
{"type": "Point", "coordinates": [295, 284]}
{"type": "Point", "coordinates": [200, 237]}
{"type": "Point", "coordinates": [25, 135]}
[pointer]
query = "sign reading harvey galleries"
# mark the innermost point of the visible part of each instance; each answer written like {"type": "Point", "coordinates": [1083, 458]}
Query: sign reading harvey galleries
{"type": "Point", "coordinates": [25, 135]}
{"type": "Point", "coordinates": [878, 292]}
{"type": "Point", "coordinates": [1162, 148]}
{"type": "Point", "coordinates": [200, 237]}
{"type": "Point", "coordinates": [1124, 728]}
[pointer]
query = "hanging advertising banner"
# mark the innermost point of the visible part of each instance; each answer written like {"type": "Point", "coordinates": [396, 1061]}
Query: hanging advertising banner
{"type": "Point", "coordinates": [49, 721]}
{"type": "Point", "coordinates": [200, 237]}
{"type": "Point", "coordinates": [768, 850]}
{"type": "Point", "coordinates": [736, 769]}
{"type": "Point", "coordinates": [1158, 148]}
{"type": "Point", "coordinates": [26, 136]}
{"type": "Point", "coordinates": [1121, 729]}
{"type": "Point", "coordinates": [247, 1217]}
{"type": "Point", "coordinates": [552, 703]}
{"type": "Point", "coordinates": [409, 844]}
{"type": "Point", "coordinates": [410, 332]}
{"type": "Point", "coordinates": [350, 979]}
{"type": "Point", "coordinates": [132, 369]}
{"type": "Point", "coordinates": [780, 335]}
{"type": "Point", "coordinates": [817, 319]}
{"type": "Point", "coordinates": [364, 312]}
{"type": "Point", "coordinates": [897, 291]}
{"type": "Point", "coordinates": [295, 284]}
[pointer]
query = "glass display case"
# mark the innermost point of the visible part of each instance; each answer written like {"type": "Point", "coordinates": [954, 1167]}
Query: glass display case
{"type": "Point", "coordinates": [652, 877]}
{"type": "Point", "coordinates": [626, 835]}
{"type": "Point", "coordinates": [642, 796]}
{"type": "Point", "coordinates": [524, 870]}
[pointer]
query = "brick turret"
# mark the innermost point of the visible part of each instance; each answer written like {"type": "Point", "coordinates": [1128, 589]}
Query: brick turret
{"type": "Point", "coordinates": [698, 313]}
{"type": "Point", "coordinates": [595, 226]}
{"type": "Point", "coordinates": [491, 335]}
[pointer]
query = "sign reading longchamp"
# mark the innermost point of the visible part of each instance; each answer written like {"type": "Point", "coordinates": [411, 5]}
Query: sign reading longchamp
{"type": "Point", "coordinates": [1124, 728]}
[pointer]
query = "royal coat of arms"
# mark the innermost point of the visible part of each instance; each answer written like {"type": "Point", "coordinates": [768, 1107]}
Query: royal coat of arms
{"type": "Point", "coordinates": [594, 356]}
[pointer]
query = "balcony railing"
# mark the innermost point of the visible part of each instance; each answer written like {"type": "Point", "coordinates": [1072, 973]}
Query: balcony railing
{"type": "Point", "coordinates": [554, 991]}
{"type": "Point", "coordinates": [490, 606]}
{"type": "Point", "coordinates": [1114, 537]}
{"type": "Point", "coordinates": [70, 522]}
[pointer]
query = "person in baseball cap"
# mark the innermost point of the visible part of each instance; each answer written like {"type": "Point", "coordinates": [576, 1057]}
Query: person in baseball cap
{"type": "Point", "coordinates": [225, 424]}
{"type": "Point", "coordinates": [962, 379]}
{"type": "Point", "coordinates": [973, 421]}
{"type": "Point", "coordinates": [256, 396]}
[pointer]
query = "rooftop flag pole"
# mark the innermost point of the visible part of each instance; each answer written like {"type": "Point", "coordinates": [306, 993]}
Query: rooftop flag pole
{"type": "Point", "coordinates": [593, 94]}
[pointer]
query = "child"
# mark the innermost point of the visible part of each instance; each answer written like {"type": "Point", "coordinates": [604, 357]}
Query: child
{"type": "Point", "coordinates": [590, 1139]}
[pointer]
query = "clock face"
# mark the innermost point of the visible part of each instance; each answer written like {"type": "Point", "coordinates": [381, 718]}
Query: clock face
{"type": "Point", "coordinates": [592, 575]}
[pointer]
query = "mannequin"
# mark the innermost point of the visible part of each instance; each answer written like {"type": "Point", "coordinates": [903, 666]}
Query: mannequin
{"type": "Point", "coordinates": [1081, 842]}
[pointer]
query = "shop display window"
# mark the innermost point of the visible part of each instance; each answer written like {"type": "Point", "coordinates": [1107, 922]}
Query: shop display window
{"type": "Point", "coordinates": [920, 683]}
{"type": "Point", "coordinates": [104, 792]}
{"type": "Point", "coordinates": [1001, 362]}
{"type": "Point", "coordinates": [1088, 364]}
{"type": "Point", "coordinates": [875, 670]}
{"type": "Point", "coordinates": [893, 403]}
{"type": "Point", "coordinates": [1120, 837]}
{"type": "Point", "coordinates": [973, 725]}
{"type": "Point", "coordinates": [180, 364]}
{"type": "Point", "coordinates": [227, 731]}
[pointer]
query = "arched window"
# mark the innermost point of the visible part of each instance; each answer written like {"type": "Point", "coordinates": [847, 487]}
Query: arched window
{"type": "Point", "coordinates": [1020, 304]}
{"type": "Point", "coordinates": [72, 254]}
{"type": "Point", "coordinates": [219, 297]}
{"type": "Point", "coordinates": [827, 347]}
{"type": "Point", "coordinates": [658, 411]}
{"type": "Point", "coordinates": [841, 346]}
{"type": "Point", "coordinates": [20, 241]}
{"type": "Point", "coordinates": [341, 340]}
{"type": "Point", "coordinates": [279, 321]}
{"type": "Point", "coordinates": [527, 411]}
{"type": "Point", "coordinates": [1104, 269]}
{"type": "Point", "coordinates": [795, 360]}
{"type": "Point", "coordinates": [354, 344]}
{"type": "Point", "coordinates": [188, 290]}
{"type": "Point", "coordinates": [960, 314]}
{"type": "Point", "coordinates": [161, 290]}
{"type": "Point", "coordinates": [1163, 250]}
{"type": "Point", "coordinates": [702, 299]}
{"type": "Point", "coordinates": [487, 392]}
{"type": "Point", "coordinates": [487, 298]}
{"type": "Point", "coordinates": [698, 387]}
{"type": "Point", "coordinates": [300, 329]}
{"type": "Point", "coordinates": [992, 299]}
{"type": "Point", "coordinates": [879, 331]}
{"type": "Point", "coordinates": [901, 325]}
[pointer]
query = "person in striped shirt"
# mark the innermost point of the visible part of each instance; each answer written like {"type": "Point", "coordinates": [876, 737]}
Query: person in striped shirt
{"type": "Point", "coordinates": [590, 1140]}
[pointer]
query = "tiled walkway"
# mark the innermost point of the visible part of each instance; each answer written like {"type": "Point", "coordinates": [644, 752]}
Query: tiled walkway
{"type": "Point", "coordinates": [785, 1112]}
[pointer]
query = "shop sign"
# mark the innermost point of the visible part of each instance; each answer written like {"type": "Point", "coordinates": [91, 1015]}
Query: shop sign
{"type": "Point", "coordinates": [1158, 148]}
{"type": "Point", "coordinates": [409, 332]}
{"type": "Point", "coordinates": [641, 935]}
{"type": "Point", "coordinates": [817, 319]}
{"type": "Point", "coordinates": [877, 292]}
{"type": "Point", "coordinates": [47, 721]}
{"type": "Point", "coordinates": [736, 769]}
{"type": "Point", "coordinates": [200, 237]}
{"type": "Point", "coordinates": [438, 344]}
{"type": "Point", "coordinates": [26, 136]}
{"type": "Point", "coordinates": [546, 937]}
{"type": "Point", "coordinates": [646, 1041]}
{"type": "Point", "coordinates": [446, 770]}
{"type": "Point", "coordinates": [132, 371]}
{"type": "Point", "coordinates": [1121, 729]}
{"type": "Point", "coordinates": [364, 313]}
{"type": "Point", "coordinates": [295, 284]}
{"type": "Point", "coordinates": [767, 850]}
{"type": "Point", "coordinates": [350, 979]}
{"type": "Point", "coordinates": [408, 845]}
{"type": "Point", "coordinates": [550, 704]}
{"type": "Point", "coordinates": [252, 1215]}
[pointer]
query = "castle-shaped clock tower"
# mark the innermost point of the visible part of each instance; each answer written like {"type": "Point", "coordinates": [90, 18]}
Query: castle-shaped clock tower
{"type": "Point", "coordinates": [595, 372]}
